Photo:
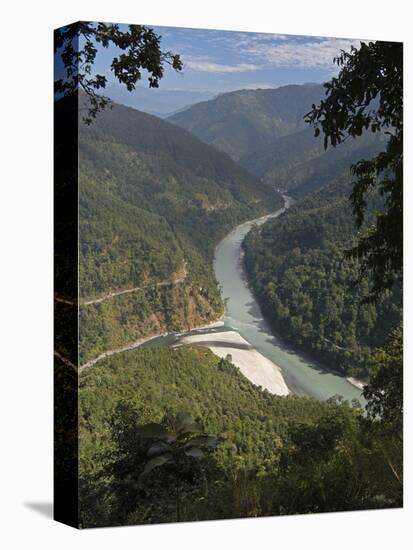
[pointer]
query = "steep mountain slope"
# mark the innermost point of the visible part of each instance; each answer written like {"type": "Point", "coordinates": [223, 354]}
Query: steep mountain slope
{"type": "Point", "coordinates": [245, 121]}
{"type": "Point", "coordinates": [298, 270]}
{"type": "Point", "coordinates": [298, 162]}
{"type": "Point", "coordinates": [265, 132]}
{"type": "Point", "coordinates": [154, 201]}
{"type": "Point", "coordinates": [284, 154]}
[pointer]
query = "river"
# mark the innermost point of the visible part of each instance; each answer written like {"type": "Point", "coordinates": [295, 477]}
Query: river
{"type": "Point", "coordinates": [243, 314]}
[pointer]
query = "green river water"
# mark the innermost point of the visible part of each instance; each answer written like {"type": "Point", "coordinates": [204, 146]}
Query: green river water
{"type": "Point", "coordinates": [243, 314]}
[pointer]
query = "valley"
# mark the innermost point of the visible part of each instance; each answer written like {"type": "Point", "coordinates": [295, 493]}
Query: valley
{"type": "Point", "coordinates": [228, 275]}
{"type": "Point", "coordinates": [116, 313]}
{"type": "Point", "coordinates": [152, 201]}
{"type": "Point", "coordinates": [170, 199]}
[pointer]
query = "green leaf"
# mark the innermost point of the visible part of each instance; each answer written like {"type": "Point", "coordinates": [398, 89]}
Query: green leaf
{"type": "Point", "coordinates": [152, 431]}
{"type": "Point", "coordinates": [185, 424]}
{"type": "Point", "coordinates": [203, 441]}
{"type": "Point", "coordinates": [155, 463]}
{"type": "Point", "coordinates": [195, 452]}
{"type": "Point", "coordinates": [158, 449]}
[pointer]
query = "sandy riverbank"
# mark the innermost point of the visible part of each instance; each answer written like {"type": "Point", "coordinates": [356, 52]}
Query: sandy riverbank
{"type": "Point", "coordinates": [356, 383]}
{"type": "Point", "coordinates": [214, 324]}
{"type": "Point", "coordinates": [139, 343]}
{"type": "Point", "coordinates": [254, 366]}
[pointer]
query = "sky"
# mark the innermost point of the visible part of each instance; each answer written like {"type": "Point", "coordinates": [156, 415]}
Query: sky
{"type": "Point", "coordinates": [220, 61]}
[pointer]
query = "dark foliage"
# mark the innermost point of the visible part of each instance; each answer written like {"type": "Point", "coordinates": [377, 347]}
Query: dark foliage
{"type": "Point", "coordinates": [298, 268]}
{"type": "Point", "coordinates": [142, 460]}
{"type": "Point", "coordinates": [385, 389]}
{"type": "Point", "coordinates": [140, 49]}
{"type": "Point", "coordinates": [368, 95]}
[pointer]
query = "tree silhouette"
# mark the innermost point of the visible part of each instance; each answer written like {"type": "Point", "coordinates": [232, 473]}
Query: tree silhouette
{"type": "Point", "coordinates": [368, 95]}
{"type": "Point", "coordinates": [384, 392]}
{"type": "Point", "coordinates": [140, 49]}
{"type": "Point", "coordinates": [165, 461]}
{"type": "Point", "coordinates": [172, 443]}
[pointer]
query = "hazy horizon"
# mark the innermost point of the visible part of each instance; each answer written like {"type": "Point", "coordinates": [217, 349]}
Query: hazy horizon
{"type": "Point", "coordinates": [216, 61]}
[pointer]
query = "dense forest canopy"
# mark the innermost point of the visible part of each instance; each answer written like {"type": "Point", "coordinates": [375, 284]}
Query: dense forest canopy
{"type": "Point", "coordinates": [306, 286]}
{"type": "Point", "coordinates": [367, 95]}
{"type": "Point", "coordinates": [276, 455]}
{"type": "Point", "coordinates": [299, 163]}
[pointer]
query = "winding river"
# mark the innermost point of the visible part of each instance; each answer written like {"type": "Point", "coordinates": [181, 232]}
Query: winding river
{"type": "Point", "coordinates": [243, 314]}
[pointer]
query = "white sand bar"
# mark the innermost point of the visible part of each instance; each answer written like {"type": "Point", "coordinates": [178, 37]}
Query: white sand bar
{"type": "Point", "coordinates": [356, 383]}
{"type": "Point", "coordinates": [254, 366]}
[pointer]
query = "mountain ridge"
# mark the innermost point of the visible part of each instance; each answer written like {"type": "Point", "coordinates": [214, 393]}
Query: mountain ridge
{"type": "Point", "coordinates": [265, 132]}
{"type": "Point", "coordinates": [242, 121]}
{"type": "Point", "coordinates": [152, 198]}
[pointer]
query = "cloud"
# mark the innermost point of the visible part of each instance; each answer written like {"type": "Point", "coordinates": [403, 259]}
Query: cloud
{"type": "Point", "coordinates": [258, 51]}
{"type": "Point", "coordinates": [205, 65]}
{"type": "Point", "coordinates": [268, 49]}
{"type": "Point", "coordinates": [270, 37]}
{"type": "Point", "coordinates": [216, 51]}
{"type": "Point", "coordinates": [311, 53]}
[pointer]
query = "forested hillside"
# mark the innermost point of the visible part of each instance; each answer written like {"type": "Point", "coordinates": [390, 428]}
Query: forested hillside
{"type": "Point", "coordinates": [265, 132]}
{"type": "Point", "coordinates": [297, 268]}
{"type": "Point", "coordinates": [153, 203]}
{"type": "Point", "coordinates": [171, 431]}
{"type": "Point", "coordinates": [300, 164]}
{"type": "Point", "coordinates": [267, 455]}
{"type": "Point", "coordinates": [246, 121]}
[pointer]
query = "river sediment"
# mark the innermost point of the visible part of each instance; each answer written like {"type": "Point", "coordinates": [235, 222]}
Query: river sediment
{"type": "Point", "coordinates": [243, 315]}
{"type": "Point", "coordinates": [253, 365]}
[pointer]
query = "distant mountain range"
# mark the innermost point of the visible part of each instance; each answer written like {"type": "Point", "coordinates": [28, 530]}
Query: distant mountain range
{"type": "Point", "coordinates": [265, 132]}
{"type": "Point", "coordinates": [156, 101]}
{"type": "Point", "coordinates": [245, 121]}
